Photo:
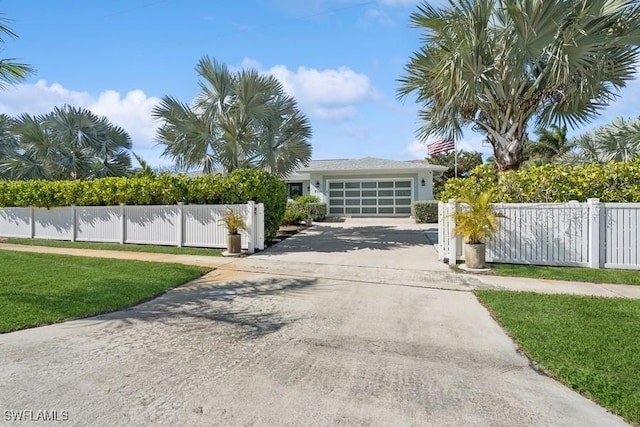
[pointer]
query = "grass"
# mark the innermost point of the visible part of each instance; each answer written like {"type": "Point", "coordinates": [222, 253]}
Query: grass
{"type": "Point", "coordinates": [115, 247]}
{"type": "Point", "coordinates": [39, 289]}
{"type": "Point", "coordinates": [591, 344]}
{"type": "Point", "coordinates": [575, 274]}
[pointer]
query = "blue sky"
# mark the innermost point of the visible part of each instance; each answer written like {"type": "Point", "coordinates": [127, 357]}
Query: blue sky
{"type": "Point", "coordinates": [339, 58]}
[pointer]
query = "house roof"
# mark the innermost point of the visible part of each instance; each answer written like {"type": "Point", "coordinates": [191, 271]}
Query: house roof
{"type": "Point", "coordinates": [367, 163]}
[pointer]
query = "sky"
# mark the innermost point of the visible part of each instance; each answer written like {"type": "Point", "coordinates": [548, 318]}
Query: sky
{"type": "Point", "coordinates": [339, 58]}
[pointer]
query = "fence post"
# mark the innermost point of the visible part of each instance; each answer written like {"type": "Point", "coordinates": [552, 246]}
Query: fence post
{"type": "Point", "coordinates": [73, 223]}
{"type": "Point", "coordinates": [251, 226]}
{"type": "Point", "coordinates": [180, 227]}
{"type": "Point", "coordinates": [594, 232]}
{"type": "Point", "coordinates": [33, 223]}
{"type": "Point", "coordinates": [260, 226]}
{"type": "Point", "coordinates": [453, 240]}
{"type": "Point", "coordinates": [123, 225]}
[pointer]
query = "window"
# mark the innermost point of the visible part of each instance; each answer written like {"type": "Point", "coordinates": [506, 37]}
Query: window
{"type": "Point", "coordinates": [294, 189]}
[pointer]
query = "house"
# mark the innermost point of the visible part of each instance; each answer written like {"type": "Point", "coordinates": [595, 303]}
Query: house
{"type": "Point", "coordinates": [367, 186]}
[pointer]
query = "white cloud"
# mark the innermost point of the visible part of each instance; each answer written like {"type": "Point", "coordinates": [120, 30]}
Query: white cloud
{"type": "Point", "coordinates": [131, 112]}
{"type": "Point", "coordinates": [326, 94]}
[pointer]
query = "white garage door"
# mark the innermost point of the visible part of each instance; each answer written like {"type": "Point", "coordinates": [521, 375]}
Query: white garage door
{"type": "Point", "coordinates": [371, 197]}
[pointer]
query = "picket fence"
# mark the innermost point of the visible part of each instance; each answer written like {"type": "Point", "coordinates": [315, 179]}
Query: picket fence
{"type": "Point", "coordinates": [591, 234]}
{"type": "Point", "coordinates": [171, 225]}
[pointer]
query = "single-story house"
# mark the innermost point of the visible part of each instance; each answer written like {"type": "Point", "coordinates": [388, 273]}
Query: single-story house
{"type": "Point", "coordinates": [367, 186]}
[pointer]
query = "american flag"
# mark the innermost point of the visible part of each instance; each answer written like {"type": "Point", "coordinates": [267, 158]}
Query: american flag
{"type": "Point", "coordinates": [440, 146]}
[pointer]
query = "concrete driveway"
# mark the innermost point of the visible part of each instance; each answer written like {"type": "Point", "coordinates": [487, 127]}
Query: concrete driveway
{"type": "Point", "coordinates": [298, 335]}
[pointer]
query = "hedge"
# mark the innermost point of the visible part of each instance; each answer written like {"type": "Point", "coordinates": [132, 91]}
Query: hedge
{"type": "Point", "coordinates": [240, 186]}
{"type": "Point", "coordinates": [425, 211]}
{"type": "Point", "coordinates": [611, 182]}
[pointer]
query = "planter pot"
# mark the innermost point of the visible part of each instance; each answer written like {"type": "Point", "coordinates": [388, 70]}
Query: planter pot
{"type": "Point", "coordinates": [474, 254]}
{"type": "Point", "coordinates": [234, 242]}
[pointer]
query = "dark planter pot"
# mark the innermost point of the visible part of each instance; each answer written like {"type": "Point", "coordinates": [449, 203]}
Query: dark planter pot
{"type": "Point", "coordinates": [234, 243]}
{"type": "Point", "coordinates": [475, 254]}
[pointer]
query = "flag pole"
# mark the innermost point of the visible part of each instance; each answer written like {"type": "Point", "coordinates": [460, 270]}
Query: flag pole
{"type": "Point", "coordinates": [455, 158]}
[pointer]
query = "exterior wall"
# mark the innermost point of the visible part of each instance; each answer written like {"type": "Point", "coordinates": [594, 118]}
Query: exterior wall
{"type": "Point", "coordinates": [426, 192]}
{"type": "Point", "coordinates": [420, 192]}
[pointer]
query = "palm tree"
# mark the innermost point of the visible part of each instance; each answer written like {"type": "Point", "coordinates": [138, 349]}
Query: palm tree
{"type": "Point", "coordinates": [498, 65]}
{"type": "Point", "coordinates": [68, 143]}
{"type": "Point", "coordinates": [239, 119]}
{"type": "Point", "coordinates": [552, 144]}
{"type": "Point", "coordinates": [617, 141]}
{"type": "Point", "coordinates": [10, 71]}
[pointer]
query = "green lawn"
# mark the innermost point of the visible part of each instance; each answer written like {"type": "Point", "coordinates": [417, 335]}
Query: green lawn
{"type": "Point", "coordinates": [576, 274]}
{"type": "Point", "coordinates": [591, 344]}
{"type": "Point", "coordinates": [116, 247]}
{"type": "Point", "coordinates": [38, 289]}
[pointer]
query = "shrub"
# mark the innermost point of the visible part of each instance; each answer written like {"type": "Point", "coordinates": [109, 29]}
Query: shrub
{"type": "Point", "coordinates": [241, 186]}
{"type": "Point", "coordinates": [611, 182]}
{"type": "Point", "coordinates": [425, 211]}
{"type": "Point", "coordinates": [317, 211]}
{"type": "Point", "coordinates": [306, 199]}
{"type": "Point", "coordinates": [294, 214]}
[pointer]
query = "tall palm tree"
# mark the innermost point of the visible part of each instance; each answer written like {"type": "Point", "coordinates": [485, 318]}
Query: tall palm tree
{"type": "Point", "coordinates": [68, 143]}
{"type": "Point", "coordinates": [617, 141]}
{"type": "Point", "coordinates": [552, 144]}
{"type": "Point", "coordinates": [498, 65]}
{"type": "Point", "coordinates": [239, 119]}
{"type": "Point", "coordinates": [10, 71]}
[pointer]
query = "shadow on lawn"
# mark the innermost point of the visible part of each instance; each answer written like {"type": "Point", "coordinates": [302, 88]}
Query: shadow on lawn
{"type": "Point", "coordinates": [323, 238]}
{"type": "Point", "coordinates": [247, 306]}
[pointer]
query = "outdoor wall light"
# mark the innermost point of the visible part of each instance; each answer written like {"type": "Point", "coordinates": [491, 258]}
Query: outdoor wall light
{"type": "Point", "coordinates": [318, 185]}
{"type": "Point", "coordinates": [423, 182]}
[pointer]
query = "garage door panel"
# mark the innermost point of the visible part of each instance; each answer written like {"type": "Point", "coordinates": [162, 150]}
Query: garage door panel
{"type": "Point", "coordinates": [371, 197]}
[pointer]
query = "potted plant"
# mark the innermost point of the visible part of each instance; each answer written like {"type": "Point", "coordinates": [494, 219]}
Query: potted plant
{"type": "Point", "coordinates": [234, 223]}
{"type": "Point", "coordinates": [476, 222]}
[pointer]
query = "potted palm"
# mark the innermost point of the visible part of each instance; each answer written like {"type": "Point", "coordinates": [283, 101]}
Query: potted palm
{"type": "Point", "coordinates": [234, 223]}
{"type": "Point", "coordinates": [476, 222]}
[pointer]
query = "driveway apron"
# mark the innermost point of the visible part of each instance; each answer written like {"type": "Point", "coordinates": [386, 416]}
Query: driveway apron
{"type": "Point", "coordinates": [334, 326]}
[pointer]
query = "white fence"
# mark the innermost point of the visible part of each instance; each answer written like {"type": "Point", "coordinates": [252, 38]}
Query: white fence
{"type": "Point", "coordinates": [171, 225]}
{"type": "Point", "coordinates": [591, 234]}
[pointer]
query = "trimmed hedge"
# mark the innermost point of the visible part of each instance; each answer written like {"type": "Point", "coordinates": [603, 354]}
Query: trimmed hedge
{"type": "Point", "coordinates": [425, 211]}
{"type": "Point", "coordinates": [241, 186]}
{"type": "Point", "coordinates": [611, 182]}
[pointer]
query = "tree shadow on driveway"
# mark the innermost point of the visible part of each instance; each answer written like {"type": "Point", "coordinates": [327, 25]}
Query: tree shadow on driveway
{"type": "Point", "coordinates": [323, 238]}
{"type": "Point", "coordinates": [249, 306]}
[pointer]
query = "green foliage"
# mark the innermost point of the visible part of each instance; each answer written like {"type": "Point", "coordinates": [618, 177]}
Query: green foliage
{"type": "Point", "coordinates": [478, 220]}
{"type": "Point", "coordinates": [306, 199]}
{"type": "Point", "coordinates": [467, 160]}
{"type": "Point", "coordinates": [425, 211]}
{"type": "Point", "coordinates": [39, 289]}
{"type": "Point", "coordinates": [240, 186]}
{"type": "Point", "coordinates": [611, 182]}
{"type": "Point", "coordinates": [240, 119]}
{"type": "Point", "coordinates": [11, 72]}
{"type": "Point", "coordinates": [233, 221]}
{"type": "Point", "coordinates": [294, 215]}
{"type": "Point", "coordinates": [68, 143]}
{"type": "Point", "coordinates": [316, 211]}
{"type": "Point", "coordinates": [616, 141]}
{"type": "Point", "coordinates": [305, 208]}
{"type": "Point", "coordinates": [591, 344]}
{"type": "Point", "coordinates": [500, 65]}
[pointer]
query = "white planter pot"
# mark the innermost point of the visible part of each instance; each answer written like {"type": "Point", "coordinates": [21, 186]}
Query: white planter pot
{"type": "Point", "coordinates": [475, 254]}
